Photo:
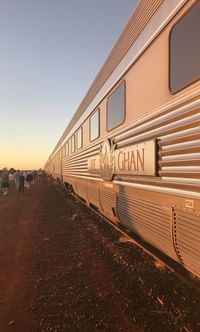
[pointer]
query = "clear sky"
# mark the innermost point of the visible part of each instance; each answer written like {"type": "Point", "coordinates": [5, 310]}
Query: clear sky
{"type": "Point", "coordinates": [50, 53]}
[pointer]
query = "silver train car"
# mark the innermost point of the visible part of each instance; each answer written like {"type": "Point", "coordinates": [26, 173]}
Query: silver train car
{"type": "Point", "coordinates": [132, 149]}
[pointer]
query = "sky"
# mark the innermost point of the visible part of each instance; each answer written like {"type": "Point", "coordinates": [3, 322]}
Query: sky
{"type": "Point", "coordinates": [50, 53]}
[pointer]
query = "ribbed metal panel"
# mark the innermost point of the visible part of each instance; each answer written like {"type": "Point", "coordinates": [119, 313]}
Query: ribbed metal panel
{"type": "Point", "coordinates": [180, 153]}
{"type": "Point", "coordinates": [178, 134]}
{"type": "Point", "coordinates": [75, 168]}
{"type": "Point", "coordinates": [107, 198]}
{"type": "Point", "coordinates": [149, 220]}
{"type": "Point", "coordinates": [187, 239]}
{"type": "Point", "coordinates": [139, 19]}
{"type": "Point", "coordinates": [184, 119]}
{"type": "Point", "coordinates": [77, 164]}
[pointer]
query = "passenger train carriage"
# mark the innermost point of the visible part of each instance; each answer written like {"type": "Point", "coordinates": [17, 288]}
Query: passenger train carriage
{"type": "Point", "coordinates": [132, 149]}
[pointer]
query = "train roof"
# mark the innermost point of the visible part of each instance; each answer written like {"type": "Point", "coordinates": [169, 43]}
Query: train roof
{"type": "Point", "coordinates": [137, 22]}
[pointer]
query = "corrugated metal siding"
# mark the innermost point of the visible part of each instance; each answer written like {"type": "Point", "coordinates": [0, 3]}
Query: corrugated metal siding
{"type": "Point", "coordinates": [178, 135]}
{"type": "Point", "coordinates": [76, 166]}
{"type": "Point", "coordinates": [149, 220]}
{"type": "Point", "coordinates": [77, 163]}
{"type": "Point", "coordinates": [180, 152]}
{"type": "Point", "coordinates": [177, 130]}
{"type": "Point", "coordinates": [187, 239]}
{"type": "Point", "coordinates": [140, 17]}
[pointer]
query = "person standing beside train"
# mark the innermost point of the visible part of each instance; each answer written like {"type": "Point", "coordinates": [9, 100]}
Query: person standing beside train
{"type": "Point", "coordinates": [29, 179]}
{"type": "Point", "coordinates": [39, 174]}
{"type": "Point", "coordinates": [16, 177]}
{"type": "Point", "coordinates": [5, 181]}
{"type": "Point", "coordinates": [21, 183]}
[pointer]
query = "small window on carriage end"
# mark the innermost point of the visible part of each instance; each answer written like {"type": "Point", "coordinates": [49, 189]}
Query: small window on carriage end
{"type": "Point", "coordinates": [94, 125]}
{"type": "Point", "coordinates": [116, 107]}
{"type": "Point", "coordinates": [79, 138]}
{"type": "Point", "coordinates": [185, 50]}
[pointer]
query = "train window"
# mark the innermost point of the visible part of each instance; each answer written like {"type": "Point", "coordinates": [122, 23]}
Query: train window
{"type": "Point", "coordinates": [116, 107]}
{"type": "Point", "coordinates": [94, 125]}
{"type": "Point", "coordinates": [66, 148]}
{"type": "Point", "coordinates": [185, 50]}
{"type": "Point", "coordinates": [73, 143]}
{"type": "Point", "coordinates": [79, 138]}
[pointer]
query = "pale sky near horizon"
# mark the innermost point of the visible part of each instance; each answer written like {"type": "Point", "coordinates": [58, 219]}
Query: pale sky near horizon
{"type": "Point", "coordinates": [50, 53]}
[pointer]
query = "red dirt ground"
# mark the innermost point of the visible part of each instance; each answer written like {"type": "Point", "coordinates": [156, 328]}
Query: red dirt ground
{"type": "Point", "coordinates": [64, 269]}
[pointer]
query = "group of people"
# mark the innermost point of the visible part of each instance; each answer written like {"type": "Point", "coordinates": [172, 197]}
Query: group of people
{"type": "Point", "coordinates": [21, 179]}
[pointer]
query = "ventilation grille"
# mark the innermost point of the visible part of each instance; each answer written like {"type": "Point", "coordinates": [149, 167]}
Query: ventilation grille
{"type": "Point", "coordinates": [107, 198]}
{"type": "Point", "coordinates": [149, 220]}
{"type": "Point", "coordinates": [187, 239]}
{"type": "Point", "coordinates": [93, 194]}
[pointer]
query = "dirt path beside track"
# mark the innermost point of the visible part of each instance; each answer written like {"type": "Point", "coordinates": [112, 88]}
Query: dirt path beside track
{"type": "Point", "coordinates": [64, 269]}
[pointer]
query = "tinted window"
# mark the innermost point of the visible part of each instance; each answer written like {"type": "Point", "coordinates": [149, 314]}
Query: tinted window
{"type": "Point", "coordinates": [116, 107]}
{"type": "Point", "coordinates": [94, 126]}
{"type": "Point", "coordinates": [185, 50]}
{"type": "Point", "coordinates": [79, 138]}
{"type": "Point", "coordinates": [73, 143]}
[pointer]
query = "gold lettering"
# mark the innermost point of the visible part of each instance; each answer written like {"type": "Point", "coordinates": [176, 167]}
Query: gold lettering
{"type": "Point", "coordinates": [133, 163]}
{"type": "Point", "coordinates": [126, 160]}
{"type": "Point", "coordinates": [140, 159]}
{"type": "Point", "coordinates": [120, 162]}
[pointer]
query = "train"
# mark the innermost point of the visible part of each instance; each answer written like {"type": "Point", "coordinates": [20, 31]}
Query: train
{"type": "Point", "coordinates": [132, 148]}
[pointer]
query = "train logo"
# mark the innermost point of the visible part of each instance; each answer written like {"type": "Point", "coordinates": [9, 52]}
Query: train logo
{"type": "Point", "coordinates": [107, 160]}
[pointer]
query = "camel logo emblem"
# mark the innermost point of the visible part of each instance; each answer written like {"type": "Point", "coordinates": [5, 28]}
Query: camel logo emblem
{"type": "Point", "coordinates": [107, 160]}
